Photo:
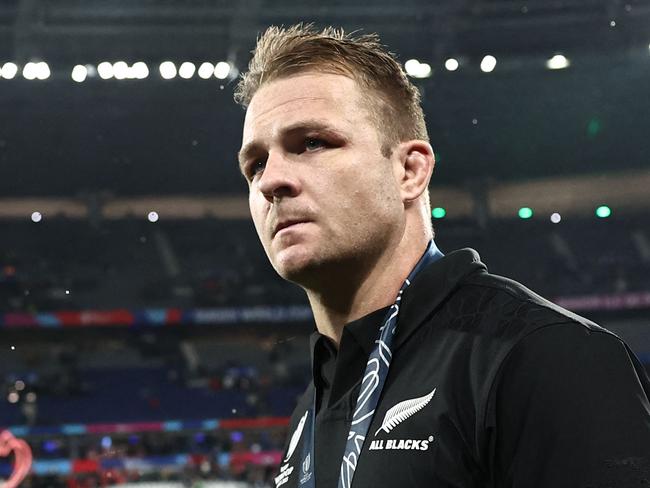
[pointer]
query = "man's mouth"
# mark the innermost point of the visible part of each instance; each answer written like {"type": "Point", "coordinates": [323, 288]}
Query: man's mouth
{"type": "Point", "coordinates": [283, 224]}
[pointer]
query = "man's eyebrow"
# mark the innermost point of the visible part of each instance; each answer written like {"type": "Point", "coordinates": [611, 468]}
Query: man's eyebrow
{"type": "Point", "coordinates": [300, 126]}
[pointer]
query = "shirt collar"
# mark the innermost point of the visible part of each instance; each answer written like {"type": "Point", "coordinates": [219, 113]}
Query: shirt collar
{"type": "Point", "coordinates": [431, 287]}
{"type": "Point", "coordinates": [363, 331]}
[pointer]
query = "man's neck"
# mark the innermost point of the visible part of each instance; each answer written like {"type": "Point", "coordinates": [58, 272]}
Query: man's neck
{"type": "Point", "coordinates": [353, 294]}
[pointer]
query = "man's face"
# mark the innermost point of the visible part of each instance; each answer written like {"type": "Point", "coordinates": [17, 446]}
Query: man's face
{"type": "Point", "coordinates": [321, 193]}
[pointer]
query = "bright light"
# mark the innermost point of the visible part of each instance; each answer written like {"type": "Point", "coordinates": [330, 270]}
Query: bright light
{"type": "Point", "coordinates": [603, 211]}
{"type": "Point", "coordinates": [42, 71]}
{"type": "Point", "coordinates": [120, 70]}
{"type": "Point", "coordinates": [105, 70]}
{"type": "Point", "coordinates": [558, 62]}
{"type": "Point", "coordinates": [206, 70]}
{"type": "Point", "coordinates": [416, 69]}
{"type": "Point", "coordinates": [19, 385]}
{"type": "Point", "coordinates": [153, 217]}
{"type": "Point", "coordinates": [140, 70]}
{"type": "Point", "coordinates": [451, 64]}
{"type": "Point", "coordinates": [555, 218]}
{"type": "Point", "coordinates": [488, 64]}
{"type": "Point", "coordinates": [37, 216]}
{"type": "Point", "coordinates": [525, 212]}
{"type": "Point", "coordinates": [425, 70]}
{"type": "Point", "coordinates": [221, 70]}
{"type": "Point", "coordinates": [186, 70]}
{"type": "Point", "coordinates": [411, 66]}
{"type": "Point", "coordinates": [13, 397]}
{"type": "Point", "coordinates": [79, 73]}
{"type": "Point", "coordinates": [9, 70]}
{"type": "Point", "coordinates": [167, 70]}
{"type": "Point", "coordinates": [29, 71]}
{"type": "Point", "coordinates": [438, 213]}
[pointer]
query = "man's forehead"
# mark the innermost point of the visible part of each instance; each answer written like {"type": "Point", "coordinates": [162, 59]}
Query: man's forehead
{"type": "Point", "coordinates": [286, 101]}
{"type": "Point", "coordinates": [317, 88]}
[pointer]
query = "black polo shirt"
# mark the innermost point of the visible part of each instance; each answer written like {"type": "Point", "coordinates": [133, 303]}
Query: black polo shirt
{"type": "Point", "coordinates": [490, 385]}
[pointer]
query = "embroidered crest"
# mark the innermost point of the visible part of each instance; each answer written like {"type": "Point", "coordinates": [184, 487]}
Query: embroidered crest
{"type": "Point", "coordinates": [403, 410]}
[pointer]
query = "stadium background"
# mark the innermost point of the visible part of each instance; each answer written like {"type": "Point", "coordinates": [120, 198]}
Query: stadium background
{"type": "Point", "coordinates": [145, 339]}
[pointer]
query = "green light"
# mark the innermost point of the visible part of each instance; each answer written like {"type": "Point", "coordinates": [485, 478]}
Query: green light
{"type": "Point", "coordinates": [525, 213]}
{"type": "Point", "coordinates": [438, 212]}
{"type": "Point", "coordinates": [593, 128]}
{"type": "Point", "coordinates": [603, 211]}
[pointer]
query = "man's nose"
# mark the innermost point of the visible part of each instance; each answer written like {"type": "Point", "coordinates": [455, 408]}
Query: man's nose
{"type": "Point", "coordinates": [279, 178]}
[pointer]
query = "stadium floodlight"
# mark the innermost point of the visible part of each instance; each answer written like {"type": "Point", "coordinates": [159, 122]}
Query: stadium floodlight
{"type": "Point", "coordinates": [416, 69]}
{"type": "Point", "coordinates": [105, 70]}
{"type": "Point", "coordinates": [525, 212]}
{"type": "Point", "coordinates": [42, 71]}
{"type": "Point", "coordinates": [152, 217]}
{"type": "Point", "coordinates": [603, 211]}
{"type": "Point", "coordinates": [37, 217]}
{"type": "Point", "coordinates": [558, 62]}
{"type": "Point", "coordinates": [411, 66]}
{"type": "Point", "coordinates": [29, 71]}
{"type": "Point", "coordinates": [488, 63]}
{"type": "Point", "coordinates": [222, 70]}
{"type": "Point", "coordinates": [186, 71]}
{"type": "Point", "coordinates": [556, 218]}
{"type": "Point", "coordinates": [206, 70]}
{"type": "Point", "coordinates": [79, 73]}
{"type": "Point", "coordinates": [451, 64]}
{"type": "Point", "coordinates": [9, 71]}
{"type": "Point", "coordinates": [120, 70]}
{"type": "Point", "coordinates": [140, 70]}
{"type": "Point", "coordinates": [438, 213]}
{"type": "Point", "coordinates": [167, 70]}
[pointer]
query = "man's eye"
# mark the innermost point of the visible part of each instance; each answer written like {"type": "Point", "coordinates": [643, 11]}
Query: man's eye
{"type": "Point", "coordinates": [256, 167]}
{"type": "Point", "coordinates": [312, 143]}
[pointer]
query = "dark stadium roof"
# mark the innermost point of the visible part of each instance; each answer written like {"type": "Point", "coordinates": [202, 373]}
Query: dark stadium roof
{"type": "Point", "coordinates": [178, 136]}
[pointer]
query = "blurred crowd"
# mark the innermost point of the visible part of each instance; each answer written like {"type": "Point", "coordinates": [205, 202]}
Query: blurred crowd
{"type": "Point", "coordinates": [65, 265]}
{"type": "Point", "coordinates": [188, 458]}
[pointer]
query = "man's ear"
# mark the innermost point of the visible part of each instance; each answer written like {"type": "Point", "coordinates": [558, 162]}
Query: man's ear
{"type": "Point", "coordinates": [416, 162]}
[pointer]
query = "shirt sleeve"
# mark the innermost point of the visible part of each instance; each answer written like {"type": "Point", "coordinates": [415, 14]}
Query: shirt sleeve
{"type": "Point", "coordinates": [570, 409]}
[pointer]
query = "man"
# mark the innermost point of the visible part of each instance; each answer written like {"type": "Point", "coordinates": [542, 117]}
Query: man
{"type": "Point", "coordinates": [427, 370]}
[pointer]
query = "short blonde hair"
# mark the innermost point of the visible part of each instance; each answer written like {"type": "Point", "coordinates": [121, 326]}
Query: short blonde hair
{"type": "Point", "coordinates": [393, 101]}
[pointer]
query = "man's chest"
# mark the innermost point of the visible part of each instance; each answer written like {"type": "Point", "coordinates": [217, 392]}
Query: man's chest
{"type": "Point", "coordinates": [420, 434]}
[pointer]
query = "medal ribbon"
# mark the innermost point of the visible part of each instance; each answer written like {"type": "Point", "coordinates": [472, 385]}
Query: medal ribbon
{"type": "Point", "coordinates": [372, 384]}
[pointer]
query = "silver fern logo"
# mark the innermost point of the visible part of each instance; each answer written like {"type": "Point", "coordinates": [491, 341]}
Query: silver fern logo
{"type": "Point", "coordinates": [403, 410]}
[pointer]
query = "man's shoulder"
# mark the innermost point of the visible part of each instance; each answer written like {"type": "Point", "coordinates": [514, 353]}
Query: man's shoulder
{"type": "Point", "coordinates": [505, 302]}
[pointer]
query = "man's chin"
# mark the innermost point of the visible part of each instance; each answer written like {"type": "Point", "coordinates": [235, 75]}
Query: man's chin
{"type": "Point", "coordinates": [294, 266]}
